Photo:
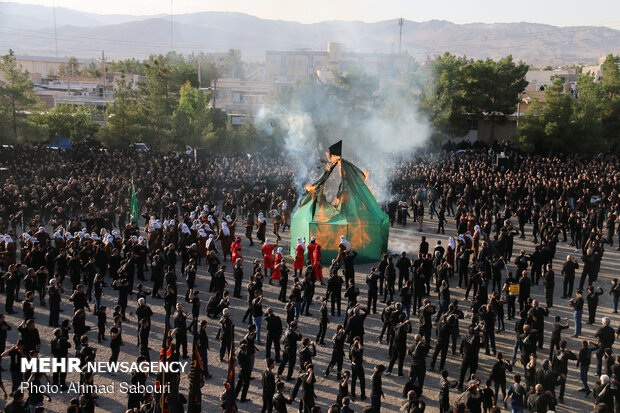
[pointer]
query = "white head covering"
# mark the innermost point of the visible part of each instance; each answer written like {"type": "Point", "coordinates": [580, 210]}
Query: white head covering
{"type": "Point", "coordinates": [211, 220]}
{"type": "Point", "coordinates": [141, 241]}
{"type": "Point", "coordinates": [8, 238]}
{"type": "Point", "coordinates": [261, 217]}
{"type": "Point", "coordinates": [108, 238]}
{"type": "Point", "coordinates": [267, 241]}
{"type": "Point", "coordinates": [41, 229]}
{"type": "Point", "coordinates": [192, 216]}
{"type": "Point", "coordinates": [202, 233]}
{"type": "Point", "coordinates": [58, 233]}
{"type": "Point", "coordinates": [1, 238]}
{"type": "Point", "coordinates": [172, 222]}
{"type": "Point", "coordinates": [477, 228]}
{"type": "Point", "coordinates": [228, 218]}
{"type": "Point", "coordinates": [225, 229]}
{"type": "Point", "coordinates": [284, 205]}
{"type": "Point", "coordinates": [68, 235]}
{"type": "Point", "coordinates": [301, 242]}
{"type": "Point", "coordinates": [115, 233]}
{"type": "Point", "coordinates": [344, 242]}
{"type": "Point", "coordinates": [185, 228]}
{"type": "Point", "coordinates": [280, 250]}
{"type": "Point", "coordinates": [312, 238]}
{"type": "Point", "coordinates": [166, 224]}
{"type": "Point", "coordinates": [95, 236]}
{"type": "Point", "coordinates": [451, 243]}
{"type": "Point", "coordinates": [462, 237]}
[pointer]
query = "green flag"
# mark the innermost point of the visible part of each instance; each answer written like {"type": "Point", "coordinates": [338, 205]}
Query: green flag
{"type": "Point", "coordinates": [134, 205]}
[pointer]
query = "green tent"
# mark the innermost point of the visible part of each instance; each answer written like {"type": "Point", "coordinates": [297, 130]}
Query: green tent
{"type": "Point", "coordinates": [353, 212]}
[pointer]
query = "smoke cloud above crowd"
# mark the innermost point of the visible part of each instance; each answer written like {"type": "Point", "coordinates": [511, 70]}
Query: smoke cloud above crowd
{"type": "Point", "coordinates": [378, 122]}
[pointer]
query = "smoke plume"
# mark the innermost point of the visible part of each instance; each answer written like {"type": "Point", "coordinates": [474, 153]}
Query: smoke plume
{"type": "Point", "coordinates": [378, 122]}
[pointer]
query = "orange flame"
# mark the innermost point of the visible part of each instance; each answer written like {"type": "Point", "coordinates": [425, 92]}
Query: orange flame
{"type": "Point", "coordinates": [331, 159]}
{"type": "Point", "coordinates": [311, 189]}
{"type": "Point", "coordinates": [366, 174]}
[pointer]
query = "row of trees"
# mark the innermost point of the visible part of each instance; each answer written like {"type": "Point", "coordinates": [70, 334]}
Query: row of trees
{"type": "Point", "coordinates": [169, 111]}
{"type": "Point", "coordinates": [457, 90]}
{"type": "Point", "coordinates": [588, 123]}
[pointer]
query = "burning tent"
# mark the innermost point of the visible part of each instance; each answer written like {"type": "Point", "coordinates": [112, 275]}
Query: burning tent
{"type": "Point", "coordinates": [328, 211]}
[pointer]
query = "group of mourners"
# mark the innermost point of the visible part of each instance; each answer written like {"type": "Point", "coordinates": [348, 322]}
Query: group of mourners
{"type": "Point", "coordinates": [69, 217]}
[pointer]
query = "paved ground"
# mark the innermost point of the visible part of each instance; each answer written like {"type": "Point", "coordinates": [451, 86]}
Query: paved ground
{"type": "Point", "coordinates": [326, 389]}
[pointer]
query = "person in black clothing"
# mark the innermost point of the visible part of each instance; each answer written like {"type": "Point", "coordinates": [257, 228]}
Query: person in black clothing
{"type": "Point", "coordinates": [238, 276]}
{"type": "Point", "coordinates": [498, 375]}
{"type": "Point", "coordinates": [592, 300]}
{"type": "Point", "coordinates": [116, 339]}
{"type": "Point", "coordinates": [560, 366]}
{"type": "Point", "coordinates": [371, 281]}
{"type": "Point", "coordinates": [274, 334]}
{"type": "Point", "coordinates": [399, 344]}
{"type": "Point", "coordinates": [323, 321]}
{"type": "Point", "coordinates": [291, 337]}
{"type": "Point", "coordinates": [444, 392]}
{"type": "Point", "coordinates": [426, 312]}
{"type": "Point", "coordinates": [568, 272]}
{"type": "Point", "coordinates": [382, 266]}
{"type": "Point", "coordinates": [349, 270]}
{"type": "Point", "coordinates": [583, 363]}
{"type": "Point", "coordinates": [390, 279]}
{"type": "Point", "coordinates": [334, 291]}
{"type": "Point", "coordinates": [376, 391]}
{"type": "Point", "coordinates": [549, 284]}
{"type": "Point", "coordinates": [284, 271]}
{"type": "Point", "coordinates": [556, 335]}
{"type": "Point", "coordinates": [577, 304]}
{"type": "Point", "coordinates": [337, 352]}
{"type": "Point", "coordinates": [524, 289]}
{"type": "Point", "coordinates": [245, 371]}
{"type": "Point", "coordinates": [606, 338]}
{"type": "Point", "coordinates": [269, 386]}
{"type": "Point", "coordinates": [418, 351]}
{"type": "Point", "coordinates": [60, 350]}
{"type": "Point", "coordinates": [444, 329]}
{"type": "Point", "coordinates": [356, 355]}
{"type": "Point", "coordinates": [225, 333]}
{"type": "Point", "coordinates": [55, 289]}
{"type": "Point", "coordinates": [280, 400]}
{"type": "Point", "coordinates": [470, 346]}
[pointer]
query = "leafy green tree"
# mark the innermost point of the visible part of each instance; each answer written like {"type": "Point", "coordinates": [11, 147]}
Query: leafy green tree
{"type": "Point", "coordinates": [587, 111]}
{"type": "Point", "coordinates": [549, 129]}
{"type": "Point", "coordinates": [123, 121]}
{"type": "Point", "coordinates": [610, 111]}
{"type": "Point", "coordinates": [442, 97]}
{"type": "Point", "coordinates": [192, 118]}
{"type": "Point", "coordinates": [491, 89]}
{"type": "Point", "coordinates": [69, 69]}
{"type": "Point", "coordinates": [70, 121]}
{"type": "Point", "coordinates": [17, 102]}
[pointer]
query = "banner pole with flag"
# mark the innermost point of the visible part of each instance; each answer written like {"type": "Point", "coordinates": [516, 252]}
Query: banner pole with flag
{"type": "Point", "coordinates": [160, 381]}
{"type": "Point", "coordinates": [135, 214]}
{"type": "Point", "coordinates": [196, 377]}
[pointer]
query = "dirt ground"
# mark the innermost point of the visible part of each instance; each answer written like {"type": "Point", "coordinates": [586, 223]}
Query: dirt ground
{"type": "Point", "coordinates": [407, 239]}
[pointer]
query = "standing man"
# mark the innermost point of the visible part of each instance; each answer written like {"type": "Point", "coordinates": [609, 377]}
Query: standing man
{"type": "Point", "coordinates": [60, 350]}
{"type": "Point", "coordinates": [356, 354]}
{"type": "Point", "coordinates": [376, 392]}
{"type": "Point", "coordinates": [226, 332]}
{"type": "Point", "coordinates": [549, 284]}
{"type": "Point", "coordinates": [577, 304]}
{"type": "Point", "coordinates": [274, 333]}
{"type": "Point", "coordinates": [568, 272]}
{"type": "Point", "coordinates": [269, 386]}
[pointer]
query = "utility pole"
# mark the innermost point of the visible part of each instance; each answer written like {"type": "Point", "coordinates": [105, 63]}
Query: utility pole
{"type": "Point", "coordinates": [103, 71]}
{"type": "Point", "coordinates": [55, 33]}
{"type": "Point", "coordinates": [401, 21]}
{"type": "Point", "coordinates": [199, 77]}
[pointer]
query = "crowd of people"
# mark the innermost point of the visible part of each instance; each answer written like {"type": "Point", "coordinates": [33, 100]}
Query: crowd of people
{"type": "Point", "coordinates": [66, 214]}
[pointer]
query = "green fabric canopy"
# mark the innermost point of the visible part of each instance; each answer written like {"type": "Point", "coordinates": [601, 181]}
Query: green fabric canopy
{"type": "Point", "coordinates": [354, 213]}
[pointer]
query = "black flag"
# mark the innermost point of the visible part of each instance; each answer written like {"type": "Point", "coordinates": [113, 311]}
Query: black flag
{"type": "Point", "coordinates": [336, 149]}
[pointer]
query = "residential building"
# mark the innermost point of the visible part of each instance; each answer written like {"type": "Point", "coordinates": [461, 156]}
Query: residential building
{"type": "Point", "coordinates": [243, 97]}
{"type": "Point", "coordinates": [291, 66]}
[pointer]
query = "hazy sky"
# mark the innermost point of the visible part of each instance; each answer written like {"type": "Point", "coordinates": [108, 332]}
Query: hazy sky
{"type": "Point", "coordinates": [556, 12]}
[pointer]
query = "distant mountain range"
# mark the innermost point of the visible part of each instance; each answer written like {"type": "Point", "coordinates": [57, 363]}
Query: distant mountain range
{"type": "Point", "coordinates": [28, 29]}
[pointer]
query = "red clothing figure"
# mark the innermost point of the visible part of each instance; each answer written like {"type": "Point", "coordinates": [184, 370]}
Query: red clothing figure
{"type": "Point", "coordinates": [316, 264]}
{"type": "Point", "coordinates": [275, 275]}
{"type": "Point", "coordinates": [298, 264]}
{"type": "Point", "coordinates": [235, 248]}
{"type": "Point", "coordinates": [268, 254]}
